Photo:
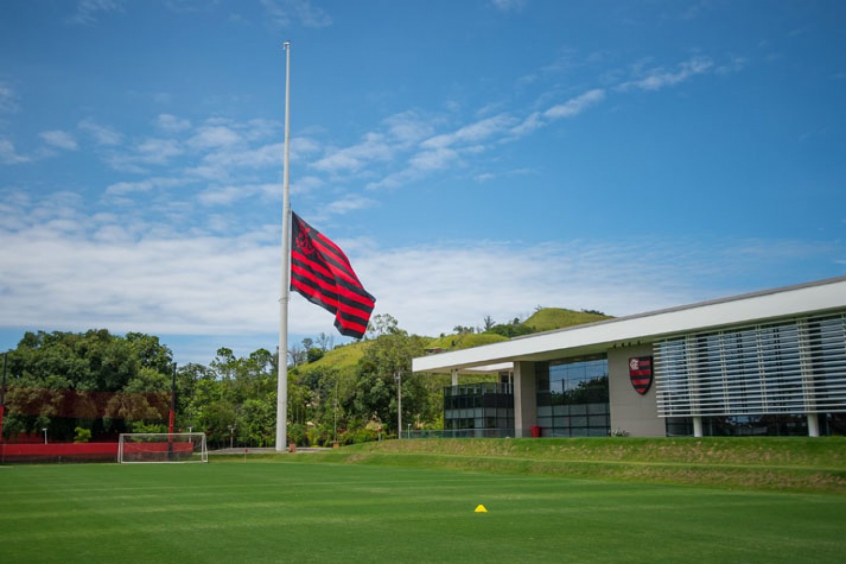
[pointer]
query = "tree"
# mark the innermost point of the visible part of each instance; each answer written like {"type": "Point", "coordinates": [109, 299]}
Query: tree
{"type": "Point", "coordinates": [325, 342]}
{"type": "Point", "coordinates": [375, 394]}
{"type": "Point", "coordinates": [489, 322]}
{"type": "Point", "coordinates": [94, 380]}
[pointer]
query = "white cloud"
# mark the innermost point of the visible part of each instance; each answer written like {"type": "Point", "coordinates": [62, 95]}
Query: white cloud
{"type": "Point", "coordinates": [228, 195]}
{"type": "Point", "coordinates": [735, 64]}
{"type": "Point", "coordinates": [528, 125]}
{"type": "Point", "coordinates": [88, 10]}
{"type": "Point", "coordinates": [408, 127]}
{"type": "Point", "coordinates": [9, 155]}
{"type": "Point", "coordinates": [348, 204]}
{"type": "Point", "coordinates": [287, 12]}
{"type": "Point", "coordinates": [8, 99]}
{"type": "Point", "coordinates": [374, 147]}
{"type": "Point", "coordinates": [158, 150]}
{"type": "Point", "coordinates": [213, 137]}
{"type": "Point", "coordinates": [142, 277]}
{"type": "Point", "coordinates": [124, 188]}
{"type": "Point", "coordinates": [576, 105]}
{"type": "Point", "coordinates": [60, 139]}
{"type": "Point", "coordinates": [509, 5]}
{"type": "Point", "coordinates": [102, 134]}
{"type": "Point", "coordinates": [658, 78]}
{"type": "Point", "coordinates": [473, 133]}
{"type": "Point", "coordinates": [172, 124]}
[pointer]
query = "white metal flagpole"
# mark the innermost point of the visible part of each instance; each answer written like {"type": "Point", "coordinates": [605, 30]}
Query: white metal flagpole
{"type": "Point", "coordinates": [282, 384]}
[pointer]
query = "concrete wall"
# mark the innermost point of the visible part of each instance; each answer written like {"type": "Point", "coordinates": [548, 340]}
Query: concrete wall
{"type": "Point", "coordinates": [637, 414]}
{"type": "Point", "coordinates": [525, 399]}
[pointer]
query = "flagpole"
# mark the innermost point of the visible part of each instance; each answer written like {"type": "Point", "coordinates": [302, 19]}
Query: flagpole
{"type": "Point", "coordinates": [282, 384]}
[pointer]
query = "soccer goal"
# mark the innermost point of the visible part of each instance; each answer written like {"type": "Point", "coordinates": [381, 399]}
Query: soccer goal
{"type": "Point", "coordinates": [162, 447]}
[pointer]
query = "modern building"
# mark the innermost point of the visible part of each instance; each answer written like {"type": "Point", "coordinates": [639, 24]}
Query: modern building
{"type": "Point", "coordinates": [766, 363]}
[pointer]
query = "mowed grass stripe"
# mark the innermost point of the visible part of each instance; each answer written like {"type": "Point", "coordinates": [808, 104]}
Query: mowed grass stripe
{"type": "Point", "coordinates": [326, 512]}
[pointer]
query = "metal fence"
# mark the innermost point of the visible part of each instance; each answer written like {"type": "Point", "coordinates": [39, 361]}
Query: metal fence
{"type": "Point", "coordinates": [459, 434]}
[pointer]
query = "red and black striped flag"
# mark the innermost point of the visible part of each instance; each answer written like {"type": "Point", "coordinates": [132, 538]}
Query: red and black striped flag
{"type": "Point", "coordinates": [322, 273]}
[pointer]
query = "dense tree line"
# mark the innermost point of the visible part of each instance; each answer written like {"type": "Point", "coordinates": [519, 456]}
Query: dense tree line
{"type": "Point", "coordinates": [95, 385]}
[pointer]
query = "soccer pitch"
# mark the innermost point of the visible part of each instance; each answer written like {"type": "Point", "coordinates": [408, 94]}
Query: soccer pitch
{"type": "Point", "coordinates": [257, 511]}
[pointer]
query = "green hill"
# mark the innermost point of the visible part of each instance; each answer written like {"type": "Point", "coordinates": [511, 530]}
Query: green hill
{"type": "Point", "coordinates": [345, 358]}
{"type": "Point", "coordinates": [465, 341]}
{"type": "Point", "coordinates": [550, 318]}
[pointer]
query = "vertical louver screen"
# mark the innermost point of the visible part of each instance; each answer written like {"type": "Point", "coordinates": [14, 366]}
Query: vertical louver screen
{"type": "Point", "coordinates": [795, 366]}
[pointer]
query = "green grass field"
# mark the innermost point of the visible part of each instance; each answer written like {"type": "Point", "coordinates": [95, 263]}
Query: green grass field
{"type": "Point", "coordinates": [272, 510]}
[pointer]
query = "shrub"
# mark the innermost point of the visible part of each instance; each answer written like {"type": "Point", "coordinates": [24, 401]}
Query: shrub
{"type": "Point", "coordinates": [82, 435]}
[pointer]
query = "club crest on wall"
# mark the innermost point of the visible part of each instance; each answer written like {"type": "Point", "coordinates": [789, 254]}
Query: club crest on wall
{"type": "Point", "coordinates": [640, 373]}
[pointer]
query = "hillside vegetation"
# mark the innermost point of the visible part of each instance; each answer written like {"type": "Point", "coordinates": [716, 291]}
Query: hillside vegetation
{"type": "Point", "coordinates": [789, 463]}
{"type": "Point", "coordinates": [545, 319]}
{"type": "Point", "coordinates": [550, 318]}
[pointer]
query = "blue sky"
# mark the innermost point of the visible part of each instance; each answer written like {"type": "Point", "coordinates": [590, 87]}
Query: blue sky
{"type": "Point", "coordinates": [473, 158]}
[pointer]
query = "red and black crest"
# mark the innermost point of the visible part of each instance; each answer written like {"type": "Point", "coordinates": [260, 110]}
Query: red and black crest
{"type": "Point", "coordinates": [303, 240]}
{"type": "Point", "coordinates": [640, 373]}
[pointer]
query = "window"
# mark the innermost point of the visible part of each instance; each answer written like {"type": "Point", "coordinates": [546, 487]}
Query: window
{"type": "Point", "coordinates": [573, 398]}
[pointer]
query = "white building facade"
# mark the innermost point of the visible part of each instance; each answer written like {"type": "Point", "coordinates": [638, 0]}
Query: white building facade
{"type": "Point", "coordinates": [766, 363]}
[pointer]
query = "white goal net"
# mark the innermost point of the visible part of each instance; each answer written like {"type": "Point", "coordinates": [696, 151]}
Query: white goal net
{"type": "Point", "coordinates": [162, 447]}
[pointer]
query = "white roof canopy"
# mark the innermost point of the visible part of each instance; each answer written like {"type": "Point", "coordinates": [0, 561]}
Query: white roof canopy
{"type": "Point", "coordinates": [598, 337]}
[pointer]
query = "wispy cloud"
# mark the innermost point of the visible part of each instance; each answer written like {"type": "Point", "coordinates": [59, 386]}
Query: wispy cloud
{"type": "Point", "coordinates": [60, 139]}
{"type": "Point", "coordinates": [172, 124]}
{"type": "Point", "coordinates": [213, 137]}
{"type": "Point", "coordinates": [126, 188]}
{"type": "Point", "coordinates": [509, 5]}
{"type": "Point", "coordinates": [9, 155]}
{"type": "Point", "coordinates": [374, 147]}
{"type": "Point", "coordinates": [658, 77]}
{"type": "Point", "coordinates": [143, 276]}
{"type": "Point", "coordinates": [479, 131]}
{"type": "Point", "coordinates": [575, 106]}
{"type": "Point", "coordinates": [8, 99]}
{"type": "Point", "coordinates": [228, 195]}
{"type": "Point", "coordinates": [102, 134]}
{"type": "Point", "coordinates": [87, 11]}
{"type": "Point", "coordinates": [288, 12]}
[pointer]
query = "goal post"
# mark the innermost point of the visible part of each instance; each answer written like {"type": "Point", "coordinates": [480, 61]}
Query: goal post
{"type": "Point", "coordinates": [162, 447]}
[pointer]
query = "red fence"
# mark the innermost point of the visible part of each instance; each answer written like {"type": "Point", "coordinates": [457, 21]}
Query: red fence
{"type": "Point", "coordinates": [67, 452]}
{"type": "Point", "coordinates": [83, 452]}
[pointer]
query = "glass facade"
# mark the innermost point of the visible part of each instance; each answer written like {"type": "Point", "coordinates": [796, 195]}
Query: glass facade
{"type": "Point", "coordinates": [485, 409]}
{"type": "Point", "coordinates": [573, 399]}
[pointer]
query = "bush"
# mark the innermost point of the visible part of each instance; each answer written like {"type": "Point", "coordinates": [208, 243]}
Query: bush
{"type": "Point", "coordinates": [358, 436]}
{"type": "Point", "coordinates": [82, 435]}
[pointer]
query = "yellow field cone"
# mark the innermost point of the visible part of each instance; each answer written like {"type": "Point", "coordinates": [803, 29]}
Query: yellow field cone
{"type": "Point", "coordinates": [481, 509]}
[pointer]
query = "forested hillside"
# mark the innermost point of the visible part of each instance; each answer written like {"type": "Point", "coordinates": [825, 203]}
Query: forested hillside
{"type": "Point", "coordinates": [94, 385]}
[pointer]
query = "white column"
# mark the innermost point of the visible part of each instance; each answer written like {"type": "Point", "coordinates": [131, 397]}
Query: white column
{"type": "Point", "coordinates": [454, 377]}
{"type": "Point", "coordinates": [697, 426]}
{"type": "Point", "coordinates": [525, 398]}
{"type": "Point", "coordinates": [813, 425]}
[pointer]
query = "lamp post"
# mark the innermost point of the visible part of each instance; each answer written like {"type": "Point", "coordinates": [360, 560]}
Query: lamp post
{"type": "Point", "coordinates": [409, 431]}
{"type": "Point", "coordinates": [398, 378]}
{"type": "Point", "coordinates": [45, 435]}
{"type": "Point", "coordinates": [232, 436]}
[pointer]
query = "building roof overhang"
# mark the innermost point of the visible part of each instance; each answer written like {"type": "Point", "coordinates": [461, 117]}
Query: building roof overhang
{"type": "Point", "coordinates": [812, 297]}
